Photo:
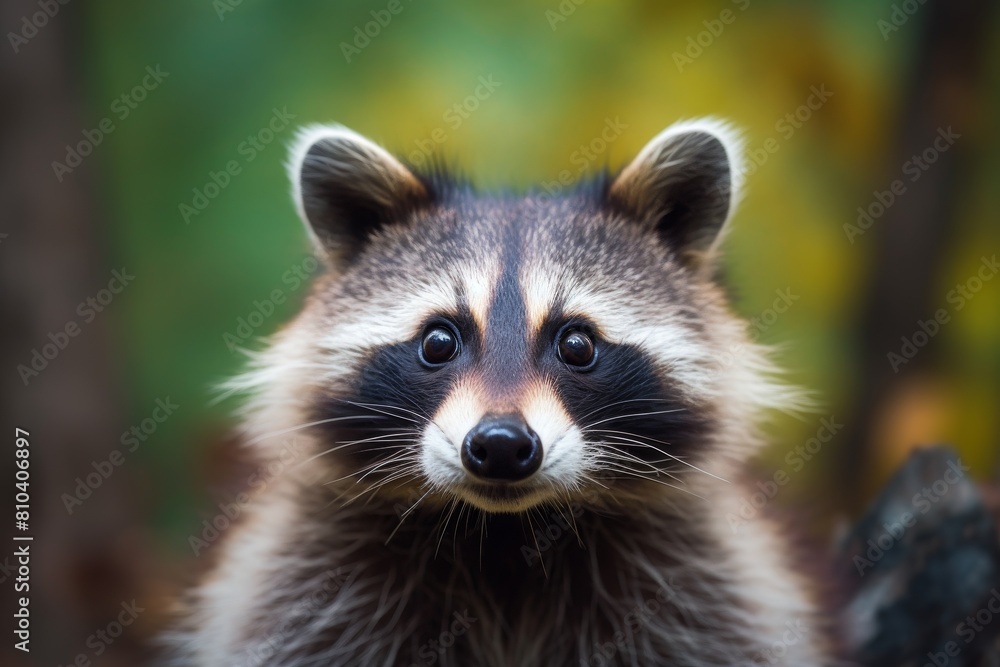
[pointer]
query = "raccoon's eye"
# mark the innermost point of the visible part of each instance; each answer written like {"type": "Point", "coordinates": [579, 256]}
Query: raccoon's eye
{"type": "Point", "coordinates": [440, 344]}
{"type": "Point", "coordinates": [576, 348]}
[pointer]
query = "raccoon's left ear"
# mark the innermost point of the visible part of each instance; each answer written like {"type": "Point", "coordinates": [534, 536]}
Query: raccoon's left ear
{"type": "Point", "coordinates": [684, 183]}
{"type": "Point", "coordinates": [347, 188]}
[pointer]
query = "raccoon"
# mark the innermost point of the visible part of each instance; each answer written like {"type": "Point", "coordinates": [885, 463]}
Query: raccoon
{"type": "Point", "coordinates": [520, 421]}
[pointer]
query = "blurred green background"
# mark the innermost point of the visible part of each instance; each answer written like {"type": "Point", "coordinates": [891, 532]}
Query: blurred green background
{"type": "Point", "coordinates": [558, 80]}
{"type": "Point", "coordinates": [559, 72]}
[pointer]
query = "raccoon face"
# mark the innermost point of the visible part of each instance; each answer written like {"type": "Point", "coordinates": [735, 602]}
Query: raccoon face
{"type": "Point", "coordinates": [512, 351]}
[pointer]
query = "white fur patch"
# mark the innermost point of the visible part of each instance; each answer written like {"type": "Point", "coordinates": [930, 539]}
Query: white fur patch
{"type": "Point", "coordinates": [440, 459]}
{"type": "Point", "coordinates": [389, 320]}
{"type": "Point", "coordinates": [562, 443]}
{"type": "Point", "coordinates": [538, 286]}
{"type": "Point", "coordinates": [460, 412]}
{"type": "Point", "coordinates": [478, 286]}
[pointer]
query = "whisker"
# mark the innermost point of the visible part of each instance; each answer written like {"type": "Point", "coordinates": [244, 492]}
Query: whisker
{"type": "Point", "coordinates": [406, 513]}
{"type": "Point", "coordinates": [375, 487]}
{"type": "Point", "coordinates": [631, 457]}
{"type": "Point", "coordinates": [637, 414]}
{"type": "Point", "coordinates": [414, 505]}
{"type": "Point", "coordinates": [628, 463]}
{"type": "Point", "coordinates": [458, 520]}
{"type": "Point", "coordinates": [591, 480]}
{"type": "Point", "coordinates": [572, 521]}
{"type": "Point", "coordinates": [632, 435]}
{"type": "Point", "coordinates": [617, 403]}
{"type": "Point", "coordinates": [379, 438]}
{"type": "Point", "coordinates": [272, 434]}
{"type": "Point", "coordinates": [482, 535]}
{"type": "Point", "coordinates": [531, 528]}
{"type": "Point", "coordinates": [357, 472]}
{"type": "Point", "coordinates": [610, 440]}
{"type": "Point", "coordinates": [398, 459]}
{"type": "Point", "coordinates": [632, 473]}
{"type": "Point", "coordinates": [444, 528]}
{"type": "Point", "coordinates": [614, 460]}
{"type": "Point", "coordinates": [367, 469]}
{"type": "Point", "coordinates": [375, 406]}
{"type": "Point", "coordinates": [667, 454]}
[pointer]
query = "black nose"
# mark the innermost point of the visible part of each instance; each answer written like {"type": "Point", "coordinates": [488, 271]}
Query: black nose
{"type": "Point", "coordinates": [502, 447]}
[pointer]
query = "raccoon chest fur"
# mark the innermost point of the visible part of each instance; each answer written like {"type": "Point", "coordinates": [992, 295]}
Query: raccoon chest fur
{"type": "Point", "coordinates": [517, 425]}
{"type": "Point", "coordinates": [642, 587]}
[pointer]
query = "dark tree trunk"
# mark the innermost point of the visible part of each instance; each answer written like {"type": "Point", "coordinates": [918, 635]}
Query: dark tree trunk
{"type": "Point", "coordinates": [83, 565]}
{"type": "Point", "coordinates": [944, 90]}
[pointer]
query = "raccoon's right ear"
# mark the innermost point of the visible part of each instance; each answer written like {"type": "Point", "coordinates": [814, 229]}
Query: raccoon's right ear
{"type": "Point", "coordinates": [684, 184]}
{"type": "Point", "coordinates": [347, 187]}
